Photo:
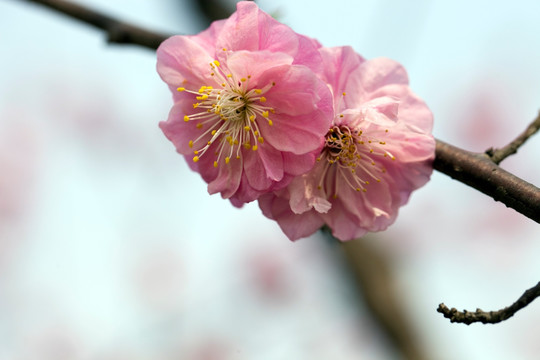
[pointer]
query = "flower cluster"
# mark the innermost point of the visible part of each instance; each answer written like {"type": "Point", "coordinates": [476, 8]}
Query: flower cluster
{"type": "Point", "coordinates": [316, 135]}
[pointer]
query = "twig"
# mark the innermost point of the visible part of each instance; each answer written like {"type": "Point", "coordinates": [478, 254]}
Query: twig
{"type": "Point", "coordinates": [478, 171]}
{"type": "Point", "coordinates": [492, 317]}
{"type": "Point", "coordinates": [498, 155]}
{"type": "Point", "coordinates": [118, 32]}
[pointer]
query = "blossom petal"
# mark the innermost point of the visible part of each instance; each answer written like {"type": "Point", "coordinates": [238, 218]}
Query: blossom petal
{"type": "Point", "coordinates": [295, 226]}
{"type": "Point", "coordinates": [228, 179]}
{"type": "Point", "coordinates": [298, 164]}
{"type": "Point", "coordinates": [304, 196]}
{"type": "Point", "coordinates": [343, 226]}
{"type": "Point", "coordinates": [244, 63]}
{"type": "Point", "coordinates": [339, 62]}
{"type": "Point", "coordinates": [303, 110]}
{"type": "Point", "coordinates": [183, 61]}
{"type": "Point", "coordinates": [252, 29]}
{"type": "Point", "coordinates": [256, 173]}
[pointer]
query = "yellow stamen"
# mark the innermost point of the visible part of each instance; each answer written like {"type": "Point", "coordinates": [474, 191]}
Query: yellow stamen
{"type": "Point", "coordinates": [195, 158]}
{"type": "Point", "coordinates": [186, 118]}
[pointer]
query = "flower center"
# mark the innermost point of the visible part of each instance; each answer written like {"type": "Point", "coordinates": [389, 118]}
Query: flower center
{"type": "Point", "coordinates": [352, 155]}
{"type": "Point", "coordinates": [228, 115]}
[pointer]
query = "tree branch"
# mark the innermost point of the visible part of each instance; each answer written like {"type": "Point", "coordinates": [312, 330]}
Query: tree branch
{"type": "Point", "coordinates": [479, 171]}
{"type": "Point", "coordinates": [498, 155]}
{"type": "Point", "coordinates": [492, 317]}
{"type": "Point", "coordinates": [118, 32]}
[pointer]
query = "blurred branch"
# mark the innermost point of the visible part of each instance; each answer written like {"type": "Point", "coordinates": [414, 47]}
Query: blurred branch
{"type": "Point", "coordinates": [375, 279]}
{"type": "Point", "coordinates": [498, 155]}
{"type": "Point", "coordinates": [118, 32]}
{"type": "Point", "coordinates": [214, 9]}
{"type": "Point", "coordinates": [479, 171]}
{"type": "Point", "coordinates": [492, 317]}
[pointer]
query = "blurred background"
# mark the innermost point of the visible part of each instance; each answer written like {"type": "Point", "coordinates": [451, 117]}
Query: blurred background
{"type": "Point", "coordinates": [111, 248]}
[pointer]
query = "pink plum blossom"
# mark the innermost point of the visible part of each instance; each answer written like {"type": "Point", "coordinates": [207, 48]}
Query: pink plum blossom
{"type": "Point", "coordinates": [378, 149]}
{"type": "Point", "coordinates": [250, 112]}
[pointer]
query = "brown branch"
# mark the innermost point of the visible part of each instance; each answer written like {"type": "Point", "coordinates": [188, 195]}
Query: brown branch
{"type": "Point", "coordinates": [375, 280]}
{"type": "Point", "coordinates": [478, 171]}
{"type": "Point", "coordinates": [118, 32]}
{"type": "Point", "coordinates": [492, 317]}
{"type": "Point", "coordinates": [498, 155]}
